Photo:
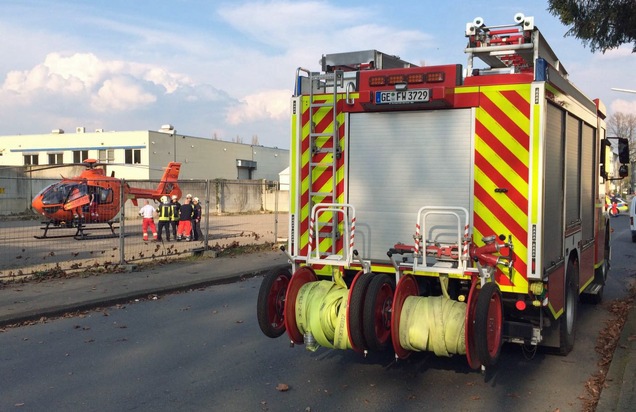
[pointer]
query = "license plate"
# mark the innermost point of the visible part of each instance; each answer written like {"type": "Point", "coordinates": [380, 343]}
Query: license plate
{"type": "Point", "coordinates": [400, 97]}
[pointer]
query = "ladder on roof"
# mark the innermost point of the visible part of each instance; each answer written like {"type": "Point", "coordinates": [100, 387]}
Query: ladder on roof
{"type": "Point", "coordinates": [508, 48]}
{"type": "Point", "coordinates": [324, 144]}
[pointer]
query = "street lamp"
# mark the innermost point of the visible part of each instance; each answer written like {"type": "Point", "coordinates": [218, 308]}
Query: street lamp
{"type": "Point", "coordinates": [623, 90]}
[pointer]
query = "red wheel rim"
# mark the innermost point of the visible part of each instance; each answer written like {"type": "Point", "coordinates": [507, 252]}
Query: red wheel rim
{"type": "Point", "coordinates": [495, 322]}
{"type": "Point", "coordinates": [382, 315]}
{"type": "Point", "coordinates": [407, 286]}
{"type": "Point", "coordinates": [349, 325]}
{"type": "Point", "coordinates": [469, 326]}
{"type": "Point", "coordinates": [276, 300]}
{"type": "Point", "coordinates": [302, 276]}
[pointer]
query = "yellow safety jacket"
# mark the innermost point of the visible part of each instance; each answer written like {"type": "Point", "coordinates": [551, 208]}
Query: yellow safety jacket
{"type": "Point", "coordinates": [165, 212]}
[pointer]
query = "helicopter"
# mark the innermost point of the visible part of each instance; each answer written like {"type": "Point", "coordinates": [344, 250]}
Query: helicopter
{"type": "Point", "coordinates": [94, 197]}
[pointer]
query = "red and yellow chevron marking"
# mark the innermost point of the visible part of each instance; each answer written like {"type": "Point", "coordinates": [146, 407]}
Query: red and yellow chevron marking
{"type": "Point", "coordinates": [322, 178]}
{"type": "Point", "coordinates": [502, 155]}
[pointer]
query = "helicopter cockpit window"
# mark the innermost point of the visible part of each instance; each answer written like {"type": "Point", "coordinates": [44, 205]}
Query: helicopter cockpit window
{"type": "Point", "coordinates": [77, 191]}
{"type": "Point", "coordinates": [107, 196]}
{"type": "Point", "coordinates": [57, 193]}
{"type": "Point", "coordinates": [103, 195]}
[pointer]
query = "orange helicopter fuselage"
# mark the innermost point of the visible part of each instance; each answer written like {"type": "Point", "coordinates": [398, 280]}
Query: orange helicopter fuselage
{"type": "Point", "coordinates": [95, 197]}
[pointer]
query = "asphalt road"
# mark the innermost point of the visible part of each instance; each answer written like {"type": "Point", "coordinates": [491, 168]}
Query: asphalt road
{"type": "Point", "coordinates": [203, 350]}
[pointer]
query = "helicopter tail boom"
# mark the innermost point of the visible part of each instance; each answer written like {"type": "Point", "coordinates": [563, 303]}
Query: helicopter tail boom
{"type": "Point", "coordinates": [167, 187]}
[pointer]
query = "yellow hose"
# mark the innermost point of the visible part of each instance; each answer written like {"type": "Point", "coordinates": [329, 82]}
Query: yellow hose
{"type": "Point", "coordinates": [433, 324]}
{"type": "Point", "coordinates": [321, 310]}
{"type": "Point", "coordinates": [426, 323]}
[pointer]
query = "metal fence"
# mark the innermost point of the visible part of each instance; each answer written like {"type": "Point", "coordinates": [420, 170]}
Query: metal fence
{"type": "Point", "coordinates": [234, 214]}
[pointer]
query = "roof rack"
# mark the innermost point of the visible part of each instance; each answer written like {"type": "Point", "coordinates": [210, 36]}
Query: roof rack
{"type": "Point", "coordinates": [511, 48]}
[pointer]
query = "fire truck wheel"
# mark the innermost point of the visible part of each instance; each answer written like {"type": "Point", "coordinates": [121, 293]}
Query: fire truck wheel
{"type": "Point", "coordinates": [355, 308]}
{"type": "Point", "coordinates": [567, 326]}
{"type": "Point", "coordinates": [300, 277]}
{"type": "Point", "coordinates": [488, 324]}
{"type": "Point", "coordinates": [407, 286]}
{"type": "Point", "coordinates": [271, 302]}
{"type": "Point", "coordinates": [376, 322]}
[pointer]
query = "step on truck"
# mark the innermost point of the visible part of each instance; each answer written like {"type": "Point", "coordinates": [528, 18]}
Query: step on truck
{"type": "Point", "coordinates": [443, 208]}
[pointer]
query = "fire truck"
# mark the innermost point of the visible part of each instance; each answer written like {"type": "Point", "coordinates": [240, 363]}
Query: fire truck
{"type": "Point", "coordinates": [443, 208]}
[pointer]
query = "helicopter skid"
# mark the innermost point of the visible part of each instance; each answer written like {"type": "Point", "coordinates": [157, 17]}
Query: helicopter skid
{"type": "Point", "coordinates": [80, 233]}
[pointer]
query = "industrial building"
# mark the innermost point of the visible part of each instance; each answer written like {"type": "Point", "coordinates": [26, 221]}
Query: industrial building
{"type": "Point", "coordinates": [148, 151]}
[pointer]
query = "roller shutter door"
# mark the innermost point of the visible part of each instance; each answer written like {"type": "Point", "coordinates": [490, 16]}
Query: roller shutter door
{"type": "Point", "coordinates": [399, 162]}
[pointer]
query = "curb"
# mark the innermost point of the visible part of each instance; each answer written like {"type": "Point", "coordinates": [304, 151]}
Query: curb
{"type": "Point", "coordinates": [92, 304]}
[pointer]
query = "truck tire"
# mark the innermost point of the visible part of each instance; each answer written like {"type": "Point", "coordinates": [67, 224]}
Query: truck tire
{"type": "Point", "coordinates": [356, 308]}
{"type": "Point", "coordinates": [376, 323]}
{"type": "Point", "coordinates": [488, 325]}
{"type": "Point", "coordinates": [567, 324]}
{"type": "Point", "coordinates": [271, 302]}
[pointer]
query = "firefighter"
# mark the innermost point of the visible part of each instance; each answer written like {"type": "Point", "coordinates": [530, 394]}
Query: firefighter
{"type": "Point", "coordinates": [165, 215]}
{"type": "Point", "coordinates": [186, 213]}
{"type": "Point", "coordinates": [196, 220]}
{"type": "Point", "coordinates": [148, 214]}
{"type": "Point", "coordinates": [174, 219]}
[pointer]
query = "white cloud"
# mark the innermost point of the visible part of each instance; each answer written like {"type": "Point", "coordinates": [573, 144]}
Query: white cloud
{"type": "Point", "coordinates": [121, 93]}
{"type": "Point", "coordinates": [269, 104]}
{"type": "Point", "coordinates": [288, 23]}
{"type": "Point", "coordinates": [108, 84]}
{"type": "Point", "coordinates": [623, 106]}
{"type": "Point", "coordinates": [82, 89]}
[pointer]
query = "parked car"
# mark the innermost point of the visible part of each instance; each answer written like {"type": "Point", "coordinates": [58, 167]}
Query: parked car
{"type": "Point", "coordinates": [632, 218]}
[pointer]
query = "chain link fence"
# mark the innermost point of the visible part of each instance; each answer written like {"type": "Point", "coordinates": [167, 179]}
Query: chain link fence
{"type": "Point", "coordinates": [104, 231]}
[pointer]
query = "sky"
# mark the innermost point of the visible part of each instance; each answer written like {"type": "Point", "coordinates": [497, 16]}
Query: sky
{"type": "Point", "coordinates": [225, 69]}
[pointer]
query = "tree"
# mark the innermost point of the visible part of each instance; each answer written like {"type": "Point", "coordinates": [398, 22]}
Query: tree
{"type": "Point", "coordinates": [601, 24]}
{"type": "Point", "coordinates": [624, 125]}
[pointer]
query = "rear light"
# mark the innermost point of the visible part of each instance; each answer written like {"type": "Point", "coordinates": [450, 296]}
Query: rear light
{"type": "Point", "coordinates": [435, 77]}
{"type": "Point", "coordinates": [411, 78]}
{"type": "Point", "coordinates": [377, 81]}
{"type": "Point", "coordinates": [415, 78]}
{"type": "Point", "coordinates": [395, 78]}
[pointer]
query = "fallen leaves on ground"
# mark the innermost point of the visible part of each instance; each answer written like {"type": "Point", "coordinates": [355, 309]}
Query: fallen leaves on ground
{"type": "Point", "coordinates": [282, 387]}
{"type": "Point", "coordinates": [606, 344]}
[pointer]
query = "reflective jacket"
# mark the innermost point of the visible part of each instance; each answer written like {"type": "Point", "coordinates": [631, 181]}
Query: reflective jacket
{"type": "Point", "coordinates": [165, 212]}
{"type": "Point", "coordinates": [175, 210]}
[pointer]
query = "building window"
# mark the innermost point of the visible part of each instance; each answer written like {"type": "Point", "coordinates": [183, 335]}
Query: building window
{"type": "Point", "coordinates": [55, 158]}
{"type": "Point", "coordinates": [79, 156]}
{"type": "Point", "coordinates": [31, 159]}
{"type": "Point", "coordinates": [133, 156]}
{"type": "Point", "coordinates": [107, 156]}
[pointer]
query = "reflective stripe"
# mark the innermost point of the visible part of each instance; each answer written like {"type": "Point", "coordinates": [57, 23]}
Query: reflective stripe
{"type": "Point", "coordinates": [502, 158]}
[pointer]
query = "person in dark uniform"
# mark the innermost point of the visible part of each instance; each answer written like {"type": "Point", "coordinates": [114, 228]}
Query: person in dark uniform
{"type": "Point", "coordinates": [185, 221]}
{"type": "Point", "coordinates": [196, 220]}
{"type": "Point", "coordinates": [165, 215]}
{"type": "Point", "coordinates": [174, 219]}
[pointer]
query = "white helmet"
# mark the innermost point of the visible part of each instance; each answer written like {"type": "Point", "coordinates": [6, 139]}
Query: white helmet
{"type": "Point", "coordinates": [164, 199]}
